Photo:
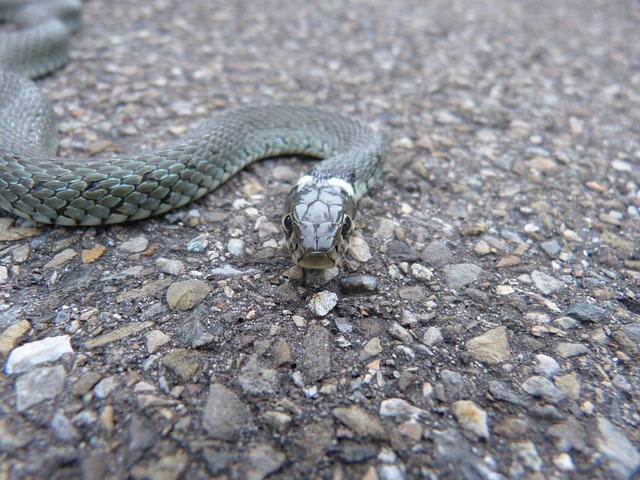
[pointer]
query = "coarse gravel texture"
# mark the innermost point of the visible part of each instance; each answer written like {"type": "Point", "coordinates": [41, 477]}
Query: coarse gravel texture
{"type": "Point", "coordinates": [487, 324]}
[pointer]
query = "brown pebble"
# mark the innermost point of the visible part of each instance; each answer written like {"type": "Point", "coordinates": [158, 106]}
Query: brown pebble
{"type": "Point", "coordinates": [509, 261]}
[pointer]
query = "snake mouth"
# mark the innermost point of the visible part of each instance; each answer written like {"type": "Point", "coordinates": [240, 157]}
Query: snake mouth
{"type": "Point", "coordinates": [318, 260]}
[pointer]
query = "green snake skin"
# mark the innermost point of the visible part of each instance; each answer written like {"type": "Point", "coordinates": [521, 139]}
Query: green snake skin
{"type": "Point", "coordinates": [37, 185]}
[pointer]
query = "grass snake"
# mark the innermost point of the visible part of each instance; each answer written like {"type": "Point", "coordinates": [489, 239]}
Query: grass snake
{"type": "Point", "coordinates": [319, 211]}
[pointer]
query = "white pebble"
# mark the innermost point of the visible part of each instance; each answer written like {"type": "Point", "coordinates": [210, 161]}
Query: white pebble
{"type": "Point", "coordinates": [323, 302]}
{"type": "Point", "coordinates": [24, 358]}
{"type": "Point", "coordinates": [235, 246]}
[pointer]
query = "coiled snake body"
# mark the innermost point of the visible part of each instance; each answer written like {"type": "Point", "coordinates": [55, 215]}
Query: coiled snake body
{"type": "Point", "coordinates": [319, 211]}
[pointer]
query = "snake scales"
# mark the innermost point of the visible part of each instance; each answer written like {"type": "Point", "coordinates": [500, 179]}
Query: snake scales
{"type": "Point", "coordinates": [319, 211]}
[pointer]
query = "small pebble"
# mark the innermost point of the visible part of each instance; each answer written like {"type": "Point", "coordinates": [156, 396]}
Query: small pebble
{"type": "Point", "coordinates": [198, 244]}
{"type": "Point", "coordinates": [420, 272]}
{"type": "Point", "coordinates": [432, 337]}
{"type": "Point", "coordinates": [359, 250]}
{"type": "Point", "coordinates": [355, 284]}
{"type": "Point", "coordinates": [134, 245]}
{"type": "Point", "coordinates": [461, 275]}
{"type": "Point", "coordinates": [155, 340]}
{"type": "Point", "coordinates": [38, 385]}
{"type": "Point", "coordinates": [372, 348]}
{"type": "Point", "coordinates": [29, 355]}
{"type": "Point", "coordinates": [400, 410]}
{"type": "Point", "coordinates": [235, 246]}
{"type": "Point", "coordinates": [471, 418]}
{"type": "Point", "coordinates": [544, 388]}
{"type": "Point", "coordinates": [186, 295]}
{"type": "Point", "coordinates": [322, 303]}
{"type": "Point", "coordinates": [171, 267]}
{"type": "Point", "coordinates": [545, 283]}
{"type": "Point", "coordinates": [564, 462]}
{"type": "Point", "coordinates": [546, 365]}
{"type": "Point", "coordinates": [551, 247]}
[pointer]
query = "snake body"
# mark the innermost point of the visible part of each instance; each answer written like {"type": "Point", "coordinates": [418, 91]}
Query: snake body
{"type": "Point", "coordinates": [34, 183]}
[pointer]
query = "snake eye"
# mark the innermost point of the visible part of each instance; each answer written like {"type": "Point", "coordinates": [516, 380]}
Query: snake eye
{"type": "Point", "coordinates": [347, 226]}
{"type": "Point", "coordinates": [287, 223]}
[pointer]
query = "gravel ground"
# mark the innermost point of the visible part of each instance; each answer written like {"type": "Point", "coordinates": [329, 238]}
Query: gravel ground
{"type": "Point", "coordinates": [486, 325]}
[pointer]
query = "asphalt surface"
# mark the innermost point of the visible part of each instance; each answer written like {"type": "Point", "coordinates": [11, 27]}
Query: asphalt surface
{"type": "Point", "coordinates": [486, 324]}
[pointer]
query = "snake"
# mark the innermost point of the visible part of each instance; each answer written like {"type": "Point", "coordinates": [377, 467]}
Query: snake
{"type": "Point", "coordinates": [319, 211]}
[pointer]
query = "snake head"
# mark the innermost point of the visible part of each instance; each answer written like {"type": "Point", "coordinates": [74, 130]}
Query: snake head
{"type": "Point", "coordinates": [318, 221]}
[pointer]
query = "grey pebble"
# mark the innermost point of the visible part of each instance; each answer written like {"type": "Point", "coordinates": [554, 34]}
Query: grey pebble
{"type": "Point", "coordinates": [502, 392]}
{"type": "Point", "coordinates": [355, 284]}
{"type": "Point", "coordinates": [316, 356]}
{"type": "Point", "coordinates": [454, 455]}
{"type": "Point", "coordinates": [152, 312]}
{"type": "Point", "coordinates": [260, 461]}
{"type": "Point", "coordinates": [217, 461]}
{"type": "Point", "coordinates": [545, 283]}
{"type": "Point", "coordinates": [134, 271]}
{"type": "Point", "coordinates": [413, 293]}
{"type": "Point", "coordinates": [171, 267]}
{"type": "Point", "coordinates": [106, 386]}
{"type": "Point", "coordinates": [140, 434]}
{"type": "Point", "coordinates": [63, 429]}
{"type": "Point", "coordinates": [432, 337]}
{"type": "Point", "coordinates": [623, 456]}
{"type": "Point", "coordinates": [547, 412]}
{"type": "Point", "coordinates": [198, 244]}
{"type": "Point", "coordinates": [400, 333]}
{"type": "Point", "coordinates": [351, 452]}
{"type": "Point", "coordinates": [402, 252]}
{"type": "Point", "coordinates": [543, 388]}
{"type": "Point", "coordinates": [195, 334]}
{"type": "Point", "coordinates": [134, 245]}
{"type": "Point", "coordinates": [566, 323]}
{"type": "Point", "coordinates": [632, 330]}
{"type": "Point", "coordinates": [344, 325]}
{"type": "Point", "coordinates": [457, 210]}
{"type": "Point", "coordinates": [437, 254]}
{"type": "Point", "coordinates": [621, 383]}
{"type": "Point", "coordinates": [60, 259]}
{"type": "Point", "coordinates": [257, 379]}
{"type": "Point", "coordinates": [452, 382]}
{"type": "Point", "coordinates": [551, 247]}
{"type": "Point", "coordinates": [38, 385]}
{"type": "Point", "coordinates": [461, 274]}
{"type": "Point", "coordinates": [568, 435]}
{"type": "Point", "coordinates": [587, 312]}
{"type": "Point", "coordinates": [568, 350]}
{"type": "Point", "coordinates": [225, 415]}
